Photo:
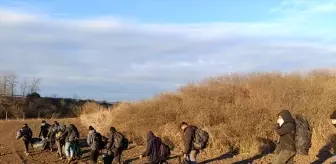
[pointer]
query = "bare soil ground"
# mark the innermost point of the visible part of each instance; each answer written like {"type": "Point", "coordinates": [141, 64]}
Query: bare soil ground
{"type": "Point", "coordinates": [11, 150]}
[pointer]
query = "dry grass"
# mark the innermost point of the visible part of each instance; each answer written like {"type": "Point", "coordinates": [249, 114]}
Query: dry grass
{"type": "Point", "coordinates": [236, 109]}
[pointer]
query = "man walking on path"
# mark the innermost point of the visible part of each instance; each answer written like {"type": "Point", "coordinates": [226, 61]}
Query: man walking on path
{"type": "Point", "coordinates": [286, 129]}
{"type": "Point", "coordinates": [94, 145]}
{"type": "Point", "coordinates": [190, 152]}
{"type": "Point", "coordinates": [116, 145]}
{"type": "Point", "coordinates": [153, 149]}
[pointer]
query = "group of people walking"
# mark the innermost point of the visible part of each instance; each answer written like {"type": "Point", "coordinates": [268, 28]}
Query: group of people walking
{"type": "Point", "coordinates": [66, 139]}
{"type": "Point", "coordinates": [111, 147]}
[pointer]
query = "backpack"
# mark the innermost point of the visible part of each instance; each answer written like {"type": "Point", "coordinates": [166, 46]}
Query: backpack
{"type": "Point", "coordinates": [164, 151]}
{"type": "Point", "coordinates": [125, 143]}
{"type": "Point", "coordinates": [98, 141]}
{"type": "Point", "coordinates": [303, 135]}
{"type": "Point", "coordinates": [118, 140]}
{"type": "Point", "coordinates": [200, 139]}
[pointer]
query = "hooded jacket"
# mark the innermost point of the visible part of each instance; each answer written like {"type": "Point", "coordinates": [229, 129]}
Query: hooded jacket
{"type": "Point", "coordinates": [53, 129]}
{"type": "Point", "coordinates": [110, 139]}
{"type": "Point", "coordinates": [70, 132]}
{"type": "Point", "coordinates": [189, 134]}
{"type": "Point", "coordinates": [90, 140]}
{"type": "Point", "coordinates": [286, 132]}
{"type": "Point", "coordinates": [153, 148]}
{"type": "Point", "coordinates": [333, 115]}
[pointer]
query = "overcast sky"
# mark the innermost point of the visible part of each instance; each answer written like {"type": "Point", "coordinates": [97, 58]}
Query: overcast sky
{"type": "Point", "coordinates": [131, 50]}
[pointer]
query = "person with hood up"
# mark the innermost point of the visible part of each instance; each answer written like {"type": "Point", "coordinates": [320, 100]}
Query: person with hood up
{"type": "Point", "coordinates": [93, 145]}
{"type": "Point", "coordinates": [115, 150]}
{"type": "Point", "coordinates": [285, 128]}
{"type": "Point", "coordinates": [71, 135]}
{"type": "Point", "coordinates": [190, 152]}
{"type": "Point", "coordinates": [60, 141]}
{"type": "Point", "coordinates": [26, 134]}
{"type": "Point", "coordinates": [153, 149]}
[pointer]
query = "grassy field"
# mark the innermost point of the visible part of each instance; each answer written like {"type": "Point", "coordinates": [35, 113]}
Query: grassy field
{"type": "Point", "coordinates": [238, 110]}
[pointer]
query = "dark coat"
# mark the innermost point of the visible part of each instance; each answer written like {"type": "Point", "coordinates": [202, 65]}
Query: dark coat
{"type": "Point", "coordinates": [286, 132]}
{"type": "Point", "coordinates": [153, 148]}
{"type": "Point", "coordinates": [44, 130]}
{"type": "Point", "coordinates": [110, 145]}
{"type": "Point", "coordinates": [189, 134]}
{"type": "Point", "coordinates": [110, 140]}
{"type": "Point", "coordinates": [27, 133]}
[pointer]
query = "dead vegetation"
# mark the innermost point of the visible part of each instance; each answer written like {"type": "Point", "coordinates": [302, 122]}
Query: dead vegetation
{"type": "Point", "coordinates": [236, 109]}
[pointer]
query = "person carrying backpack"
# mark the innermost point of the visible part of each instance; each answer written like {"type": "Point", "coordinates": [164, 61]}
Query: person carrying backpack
{"type": "Point", "coordinates": [71, 136]}
{"type": "Point", "coordinates": [116, 144]}
{"type": "Point", "coordinates": [154, 151]}
{"type": "Point", "coordinates": [286, 129]}
{"type": "Point", "coordinates": [195, 139]}
{"type": "Point", "coordinates": [26, 134]}
{"type": "Point", "coordinates": [94, 140]}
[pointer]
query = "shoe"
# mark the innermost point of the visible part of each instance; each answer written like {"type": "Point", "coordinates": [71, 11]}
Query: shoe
{"type": "Point", "coordinates": [27, 154]}
{"type": "Point", "coordinates": [69, 160]}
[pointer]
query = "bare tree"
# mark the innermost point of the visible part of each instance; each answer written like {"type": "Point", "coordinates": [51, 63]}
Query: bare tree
{"type": "Point", "coordinates": [34, 86]}
{"type": "Point", "coordinates": [24, 88]}
{"type": "Point", "coordinates": [4, 85]}
{"type": "Point", "coordinates": [12, 82]}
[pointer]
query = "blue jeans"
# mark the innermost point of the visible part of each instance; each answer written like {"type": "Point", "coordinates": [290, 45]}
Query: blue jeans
{"type": "Point", "coordinates": [69, 150]}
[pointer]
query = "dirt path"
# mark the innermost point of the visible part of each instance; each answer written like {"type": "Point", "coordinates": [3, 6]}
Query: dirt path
{"type": "Point", "coordinates": [11, 150]}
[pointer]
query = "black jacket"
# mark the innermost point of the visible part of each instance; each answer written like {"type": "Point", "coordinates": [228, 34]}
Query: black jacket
{"type": "Point", "coordinates": [44, 130]}
{"type": "Point", "coordinates": [189, 134]}
{"type": "Point", "coordinates": [286, 132]}
{"type": "Point", "coordinates": [26, 133]}
{"type": "Point", "coordinates": [153, 148]}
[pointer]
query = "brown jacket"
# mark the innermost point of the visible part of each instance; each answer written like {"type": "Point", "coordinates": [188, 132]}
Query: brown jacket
{"type": "Point", "coordinates": [286, 132]}
{"type": "Point", "coordinates": [189, 134]}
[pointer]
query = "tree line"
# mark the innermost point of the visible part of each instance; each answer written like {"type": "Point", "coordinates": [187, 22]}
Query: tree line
{"type": "Point", "coordinates": [21, 99]}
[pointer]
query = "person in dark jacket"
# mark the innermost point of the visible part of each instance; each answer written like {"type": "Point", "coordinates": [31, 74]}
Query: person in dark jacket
{"type": "Point", "coordinates": [189, 153]}
{"type": "Point", "coordinates": [285, 128]}
{"type": "Point", "coordinates": [153, 149]}
{"type": "Point", "coordinates": [93, 145]}
{"type": "Point", "coordinates": [44, 130]}
{"type": "Point", "coordinates": [26, 134]}
{"type": "Point", "coordinates": [115, 151]}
